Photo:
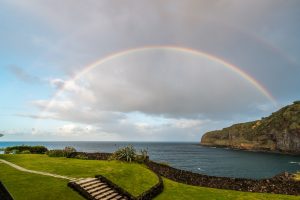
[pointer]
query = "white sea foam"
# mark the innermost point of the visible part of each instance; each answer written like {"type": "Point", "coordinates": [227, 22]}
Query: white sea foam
{"type": "Point", "coordinates": [293, 162]}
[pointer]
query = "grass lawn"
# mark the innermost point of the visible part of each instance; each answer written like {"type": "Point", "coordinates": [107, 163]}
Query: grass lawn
{"type": "Point", "coordinates": [133, 177]}
{"type": "Point", "coordinates": [25, 186]}
{"type": "Point", "coordinates": [174, 191]}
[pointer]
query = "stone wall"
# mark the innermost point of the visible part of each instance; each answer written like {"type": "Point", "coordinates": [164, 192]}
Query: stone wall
{"type": "Point", "coordinates": [280, 184]}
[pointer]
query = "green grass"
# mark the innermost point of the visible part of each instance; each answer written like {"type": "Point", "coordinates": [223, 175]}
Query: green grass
{"type": "Point", "coordinates": [174, 191]}
{"type": "Point", "coordinates": [130, 176]}
{"type": "Point", "coordinates": [25, 186]}
{"type": "Point", "coordinates": [133, 177]}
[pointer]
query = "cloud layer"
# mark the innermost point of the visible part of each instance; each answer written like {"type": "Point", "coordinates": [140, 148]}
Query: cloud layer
{"type": "Point", "coordinates": [153, 95]}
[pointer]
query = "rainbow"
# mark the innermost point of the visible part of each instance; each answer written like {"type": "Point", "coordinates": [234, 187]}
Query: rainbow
{"type": "Point", "coordinates": [195, 52]}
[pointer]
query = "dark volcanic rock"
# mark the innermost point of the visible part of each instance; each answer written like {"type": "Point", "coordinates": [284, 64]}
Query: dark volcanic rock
{"type": "Point", "coordinates": [279, 132]}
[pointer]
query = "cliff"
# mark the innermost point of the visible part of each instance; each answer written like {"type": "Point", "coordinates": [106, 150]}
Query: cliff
{"type": "Point", "coordinates": [280, 132]}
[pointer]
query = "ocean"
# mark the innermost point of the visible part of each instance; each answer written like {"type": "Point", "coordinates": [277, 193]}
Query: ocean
{"type": "Point", "coordinates": [195, 158]}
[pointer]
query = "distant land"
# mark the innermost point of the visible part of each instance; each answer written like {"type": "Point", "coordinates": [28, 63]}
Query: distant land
{"type": "Point", "coordinates": [280, 132]}
{"type": "Point", "coordinates": [1, 135]}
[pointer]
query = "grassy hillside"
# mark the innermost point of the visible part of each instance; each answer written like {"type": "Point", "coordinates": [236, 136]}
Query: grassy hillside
{"type": "Point", "coordinates": [134, 177]}
{"type": "Point", "coordinates": [24, 186]}
{"type": "Point", "coordinates": [178, 191]}
{"type": "Point", "coordinates": [130, 176]}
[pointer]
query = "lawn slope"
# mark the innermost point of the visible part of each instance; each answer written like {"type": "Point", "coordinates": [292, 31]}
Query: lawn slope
{"type": "Point", "coordinates": [133, 177]}
{"type": "Point", "coordinates": [176, 191]}
{"type": "Point", "coordinates": [26, 186]}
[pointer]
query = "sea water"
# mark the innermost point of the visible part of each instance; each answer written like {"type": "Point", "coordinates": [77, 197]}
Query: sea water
{"type": "Point", "coordinates": [193, 157]}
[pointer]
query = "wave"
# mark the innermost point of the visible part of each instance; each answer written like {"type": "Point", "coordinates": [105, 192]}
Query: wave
{"type": "Point", "coordinates": [293, 162]}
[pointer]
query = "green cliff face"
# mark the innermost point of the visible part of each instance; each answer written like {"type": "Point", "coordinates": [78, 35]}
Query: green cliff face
{"type": "Point", "coordinates": [279, 132]}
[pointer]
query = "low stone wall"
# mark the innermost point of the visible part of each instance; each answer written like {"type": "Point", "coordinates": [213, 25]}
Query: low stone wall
{"type": "Point", "coordinates": [153, 191]}
{"type": "Point", "coordinates": [280, 184]}
{"type": "Point", "coordinates": [4, 194]}
{"type": "Point", "coordinates": [91, 156]}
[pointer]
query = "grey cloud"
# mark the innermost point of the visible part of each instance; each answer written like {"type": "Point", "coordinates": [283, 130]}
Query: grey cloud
{"type": "Point", "coordinates": [89, 30]}
{"type": "Point", "coordinates": [22, 75]}
{"type": "Point", "coordinates": [260, 37]}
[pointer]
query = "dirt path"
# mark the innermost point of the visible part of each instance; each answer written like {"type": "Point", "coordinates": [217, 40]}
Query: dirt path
{"type": "Point", "coordinates": [36, 172]}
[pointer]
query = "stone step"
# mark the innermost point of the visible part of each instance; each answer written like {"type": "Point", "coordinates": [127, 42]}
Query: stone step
{"type": "Point", "coordinates": [119, 197]}
{"type": "Point", "coordinates": [101, 196]}
{"type": "Point", "coordinates": [95, 187]}
{"type": "Point", "coordinates": [100, 188]}
{"type": "Point", "coordinates": [85, 180]}
{"type": "Point", "coordinates": [111, 196]}
{"type": "Point", "coordinates": [94, 194]}
{"type": "Point", "coordinates": [89, 183]}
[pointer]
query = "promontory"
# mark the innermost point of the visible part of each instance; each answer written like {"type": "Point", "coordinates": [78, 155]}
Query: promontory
{"type": "Point", "coordinates": [280, 132]}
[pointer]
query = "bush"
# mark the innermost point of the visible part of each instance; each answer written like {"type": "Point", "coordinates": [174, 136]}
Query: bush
{"type": "Point", "coordinates": [82, 157]}
{"type": "Point", "coordinates": [69, 150]}
{"type": "Point", "coordinates": [143, 157]}
{"type": "Point", "coordinates": [66, 152]}
{"type": "Point", "coordinates": [31, 149]}
{"type": "Point", "coordinates": [127, 154]}
{"type": "Point", "coordinates": [56, 153]}
{"type": "Point", "coordinates": [15, 151]}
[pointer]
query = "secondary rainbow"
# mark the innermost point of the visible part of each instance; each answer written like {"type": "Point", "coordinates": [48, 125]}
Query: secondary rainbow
{"type": "Point", "coordinates": [195, 52]}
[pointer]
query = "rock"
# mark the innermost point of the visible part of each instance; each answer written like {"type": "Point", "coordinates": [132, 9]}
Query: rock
{"type": "Point", "coordinates": [280, 132]}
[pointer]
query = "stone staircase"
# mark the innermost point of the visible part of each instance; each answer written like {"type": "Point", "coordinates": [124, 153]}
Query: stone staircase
{"type": "Point", "coordinates": [96, 189]}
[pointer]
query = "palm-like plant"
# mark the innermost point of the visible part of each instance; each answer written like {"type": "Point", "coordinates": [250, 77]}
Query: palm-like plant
{"type": "Point", "coordinates": [127, 153]}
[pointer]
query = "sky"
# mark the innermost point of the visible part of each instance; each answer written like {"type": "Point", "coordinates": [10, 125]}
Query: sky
{"type": "Point", "coordinates": [87, 70]}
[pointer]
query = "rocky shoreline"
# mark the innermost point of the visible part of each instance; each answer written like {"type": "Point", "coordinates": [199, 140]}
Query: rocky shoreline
{"type": "Point", "coordinates": [250, 150]}
{"type": "Point", "coordinates": [281, 184]}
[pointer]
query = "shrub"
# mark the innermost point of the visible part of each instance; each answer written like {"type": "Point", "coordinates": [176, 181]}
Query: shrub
{"type": "Point", "coordinates": [56, 153]}
{"type": "Point", "coordinates": [15, 151]}
{"type": "Point", "coordinates": [127, 154]}
{"type": "Point", "coordinates": [31, 149]}
{"type": "Point", "coordinates": [81, 156]}
{"type": "Point", "coordinates": [143, 157]}
{"type": "Point", "coordinates": [66, 152]}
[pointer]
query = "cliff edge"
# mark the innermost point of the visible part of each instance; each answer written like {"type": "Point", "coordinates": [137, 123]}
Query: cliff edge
{"type": "Point", "coordinates": [280, 132]}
